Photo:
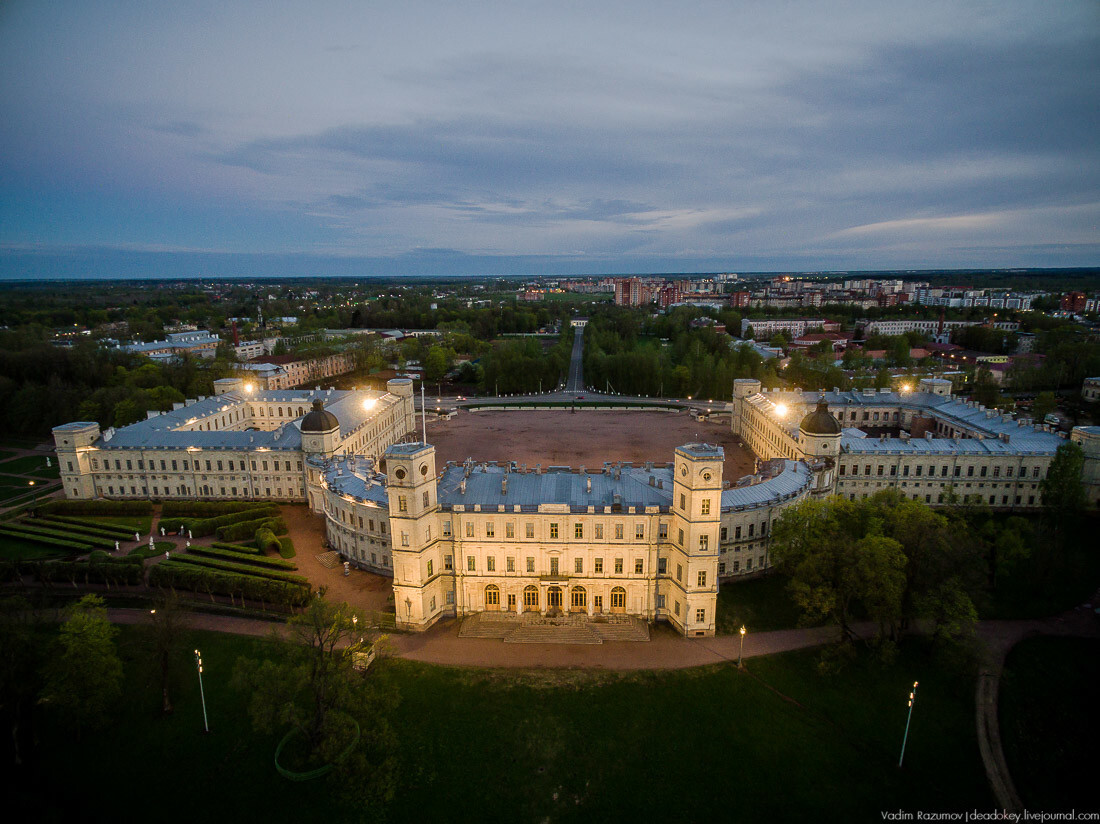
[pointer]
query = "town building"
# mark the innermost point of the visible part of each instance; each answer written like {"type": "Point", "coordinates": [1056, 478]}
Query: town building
{"type": "Point", "coordinates": [200, 344]}
{"type": "Point", "coordinates": [1090, 390]}
{"type": "Point", "coordinates": [288, 371]}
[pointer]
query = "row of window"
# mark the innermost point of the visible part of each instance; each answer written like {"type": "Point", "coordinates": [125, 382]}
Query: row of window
{"type": "Point", "coordinates": [983, 470]}
{"type": "Point", "coordinates": [554, 528]}
{"type": "Point", "coordinates": [965, 498]}
{"type": "Point", "coordinates": [187, 467]}
{"type": "Point", "coordinates": [737, 565]}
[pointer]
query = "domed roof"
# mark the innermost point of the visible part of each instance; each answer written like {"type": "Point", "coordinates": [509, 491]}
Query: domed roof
{"type": "Point", "coordinates": [820, 421]}
{"type": "Point", "coordinates": [319, 419]}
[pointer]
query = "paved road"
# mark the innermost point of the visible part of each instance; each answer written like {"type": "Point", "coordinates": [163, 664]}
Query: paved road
{"type": "Point", "coordinates": [575, 382]}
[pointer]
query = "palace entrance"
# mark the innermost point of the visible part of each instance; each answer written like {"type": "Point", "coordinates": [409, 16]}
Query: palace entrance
{"type": "Point", "coordinates": [553, 599]}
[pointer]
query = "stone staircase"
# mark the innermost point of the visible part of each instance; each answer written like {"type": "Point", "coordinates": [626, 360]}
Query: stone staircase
{"type": "Point", "coordinates": [533, 628]}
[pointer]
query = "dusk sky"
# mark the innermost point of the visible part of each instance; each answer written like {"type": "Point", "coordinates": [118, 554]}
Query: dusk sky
{"type": "Point", "coordinates": [329, 138]}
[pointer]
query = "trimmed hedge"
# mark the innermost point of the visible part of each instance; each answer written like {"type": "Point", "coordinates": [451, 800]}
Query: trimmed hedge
{"type": "Point", "coordinates": [246, 529]}
{"type": "Point", "coordinates": [22, 528]}
{"type": "Point", "coordinates": [77, 526]}
{"type": "Point", "coordinates": [266, 540]}
{"type": "Point", "coordinates": [241, 569]}
{"type": "Point", "coordinates": [97, 571]}
{"type": "Point", "coordinates": [60, 507]}
{"type": "Point", "coordinates": [286, 547]}
{"type": "Point", "coordinates": [213, 582]}
{"type": "Point", "coordinates": [243, 549]}
{"type": "Point", "coordinates": [229, 555]}
{"type": "Point", "coordinates": [72, 546]}
{"type": "Point", "coordinates": [200, 527]}
{"type": "Point", "coordinates": [204, 509]}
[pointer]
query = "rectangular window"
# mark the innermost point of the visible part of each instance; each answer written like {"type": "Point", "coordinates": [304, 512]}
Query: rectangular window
{"type": "Point", "coordinates": [450, 596]}
{"type": "Point", "coordinates": [662, 530]}
{"type": "Point", "coordinates": [905, 471]}
{"type": "Point", "coordinates": [553, 566]}
{"type": "Point", "coordinates": [446, 529]}
{"type": "Point", "coordinates": [578, 531]}
{"type": "Point", "coordinates": [721, 567]}
{"type": "Point", "coordinates": [683, 501]}
{"type": "Point", "coordinates": [660, 602]}
{"type": "Point", "coordinates": [530, 564]}
{"type": "Point", "coordinates": [618, 566]}
{"type": "Point", "coordinates": [429, 569]}
{"type": "Point", "coordinates": [425, 494]}
{"type": "Point", "coordinates": [530, 531]}
{"type": "Point", "coordinates": [553, 530]}
{"type": "Point", "coordinates": [982, 473]}
{"type": "Point", "coordinates": [880, 469]}
{"type": "Point", "coordinates": [639, 532]}
{"type": "Point", "coordinates": [598, 565]}
{"type": "Point", "coordinates": [723, 534]}
{"type": "Point", "coordinates": [662, 566]}
{"type": "Point", "coordinates": [578, 565]}
{"type": "Point", "coordinates": [705, 503]}
{"type": "Point", "coordinates": [704, 542]}
{"type": "Point", "coordinates": [737, 533]}
{"type": "Point", "coordinates": [404, 539]}
{"type": "Point", "coordinates": [618, 532]}
{"type": "Point", "coordinates": [448, 562]}
{"type": "Point", "coordinates": [470, 529]}
{"type": "Point", "coordinates": [700, 616]}
{"type": "Point", "coordinates": [433, 603]}
{"type": "Point", "coordinates": [402, 502]}
{"type": "Point", "coordinates": [510, 563]}
{"type": "Point", "coordinates": [510, 529]}
{"type": "Point", "coordinates": [638, 566]}
{"type": "Point", "coordinates": [470, 565]}
{"type": "Point", "coordinates": [751, 527]}
{"type": "Point", "coordinates": [676, 607]}
{"type": "Point", "coordinates": [491, 564]}
{"type": "Point", "coordinates": [599, 532]}
{"type": "Point", "coordinates": [490, 529]}
{"type": "Point", "coordinates": [680, 573]}
{"type": "Point", "coordinates": [702, 579]}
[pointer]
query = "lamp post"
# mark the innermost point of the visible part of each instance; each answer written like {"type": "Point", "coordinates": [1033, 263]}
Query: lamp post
{"type": "Point", "coordinates": [202, 693]}
{"type": "Point", "coordinates": [905, 739]}
{"type": "Point", "coordinates": [741, 652]}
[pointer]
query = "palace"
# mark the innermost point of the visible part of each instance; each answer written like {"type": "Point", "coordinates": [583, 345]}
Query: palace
{"type": "Point", "coordinates": [651, 541]}
{"type": "Point", "coordinates": [926, 443]}
{"type": "Point", "coordinates": [239, 444]}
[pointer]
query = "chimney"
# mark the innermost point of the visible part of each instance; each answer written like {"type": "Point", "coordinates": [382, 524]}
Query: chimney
{"type": "Point", "coordinates": [588, 484]}
{"type": "Point", "coordinates": [652, 481]}
{"type": "Point", "coordinates": [462, 487]}
{"type": "Point", "coordinates": [503, 486]}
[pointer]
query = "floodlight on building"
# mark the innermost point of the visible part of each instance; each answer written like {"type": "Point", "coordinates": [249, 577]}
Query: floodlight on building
{"type": "Point", "coordinates": [781, 409]}
{"type": "Point", "coordinates": [369, 404]}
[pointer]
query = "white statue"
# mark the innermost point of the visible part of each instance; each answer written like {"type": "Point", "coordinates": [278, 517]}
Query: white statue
{"type": "Point", "coordinates": [189, 535]}
{"type": "Point", "coordinates": [162, 532]}
{"type": "Point", "coordinates": [150, 541]}
{"type": "Point", "coordinates": [188, 544]}
{"type": "Point", "coordinates": [137, 537]}
{"type": "Point", "coordinates": [116, 546]}
{"type": "Point", "coordinates": [48, 464]}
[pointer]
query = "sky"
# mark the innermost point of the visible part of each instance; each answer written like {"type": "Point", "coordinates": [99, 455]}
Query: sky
{"type": "Point", "coordinates": [146, 139]}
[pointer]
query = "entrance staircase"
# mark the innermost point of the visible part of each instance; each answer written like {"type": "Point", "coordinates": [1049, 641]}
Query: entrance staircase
{"type": "Point", "coordinates": [533, 628]}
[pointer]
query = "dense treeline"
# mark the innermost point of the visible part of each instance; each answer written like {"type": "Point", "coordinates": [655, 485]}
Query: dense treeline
{"type": "Point", "coordinates": [633, 354]}
{"type": "Point", "coordinates": [44, 385]}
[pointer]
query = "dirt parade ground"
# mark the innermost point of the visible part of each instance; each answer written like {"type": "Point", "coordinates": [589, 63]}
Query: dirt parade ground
{"type": "Point", "coordinates": [588, 438]}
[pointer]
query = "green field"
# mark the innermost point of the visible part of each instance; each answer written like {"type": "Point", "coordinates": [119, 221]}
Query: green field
{"type": "Point", "coordinates": [12, 549]}
{"type": "Point", "coordinates": [32, 464]}
{"type": "Point", "coordinates": [1050, 721]}
{"type": "Point", "coordinates": [558, 745]}
{"type": "Point", "coordinates": [132, 523]}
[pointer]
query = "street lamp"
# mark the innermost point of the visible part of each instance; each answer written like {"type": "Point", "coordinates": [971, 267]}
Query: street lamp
{"type": "Point", "coordinates": [912, 700]}
{"type": "Point", "coordinates": [202, 693]}
{"type": "Point", "coordinates": [741, 652]}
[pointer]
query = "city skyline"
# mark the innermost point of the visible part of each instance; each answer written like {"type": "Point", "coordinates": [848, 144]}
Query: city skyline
{"type": "Point", "coordinates": [205, 141]}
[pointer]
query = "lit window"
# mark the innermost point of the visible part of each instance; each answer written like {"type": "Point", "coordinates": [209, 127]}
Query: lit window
{"type": "Point", "coordinates": [702, 579]}
{"type": "Point", "coordinates": [618, 566]}
{"type": "Point", "coordinates": [598, 565]}
{"type": "Point", "coordinates": [553, 530]}
{"type": "Point", "coordinates": [470, 563]}
{"type": "Point", "coordinates": [705, 503]}
{"type": "Point", "coordinates": [638, 566]}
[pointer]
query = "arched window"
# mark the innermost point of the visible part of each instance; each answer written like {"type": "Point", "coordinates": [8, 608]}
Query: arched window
{"type": "Point", "coordinates": [618, 598]}
{"type": "Point", "coordinates": [301, 411]}
{"type": "Point", "coordinates": [492, 597]}
{"type": "Point", "coordinates": [578, 598]}
{"type": "Point", "coordinates": [531, 597]}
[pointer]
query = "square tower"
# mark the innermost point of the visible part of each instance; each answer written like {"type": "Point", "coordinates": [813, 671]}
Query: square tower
{"type": "Point", "coordinates": [692, 584]}
{"type": "Point", "coordinates": [75, 444]}
{"type": "Point", "coordinates": [420, 586]}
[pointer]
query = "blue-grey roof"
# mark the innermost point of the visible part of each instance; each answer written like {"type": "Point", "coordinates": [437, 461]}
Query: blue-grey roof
{"type": "Point", "coordinates": [164, 431]}
{"type": "Point", "coordinates": [529, 489]}
{"type": "Point", "coordinates": [792, 479]}
{"type": "Point", "coordinates": [355, 478]}
{"type": "Point", "coordinates": [992, 425]}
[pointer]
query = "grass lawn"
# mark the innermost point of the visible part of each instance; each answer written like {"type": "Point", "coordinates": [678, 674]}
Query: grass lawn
{"type": "Point", "coordinates": [15, 491]}
{"type": "Point", "coordinates": [35, 464]}
{"type": "Point", "coordinates": [1050, 721]}
{"type": "Point", "coordinates": [12, 549]}
{"type": "Point", "coordinates": [561, 745]}
{"type": "Point", "coordinates": [760, 604]}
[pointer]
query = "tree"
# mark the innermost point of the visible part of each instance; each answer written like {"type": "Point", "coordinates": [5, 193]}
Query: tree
{"type": "Point", "coordinates": [1061, 489]}
{"type": "Point", "coordinates": [436, 364]}
{"type": "Point", "coordinates": [168, 630]}
{"type": "Point", "coordinates": [19, 668]}
{"type": "Point", "coordinates": [311, 686]}
{"type": "Point", "coordinates": [1045, 403]}
{"type": "Point", "coordinates": [834, 561]}
{"type": "Point", "coordinates": [84, 675]}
